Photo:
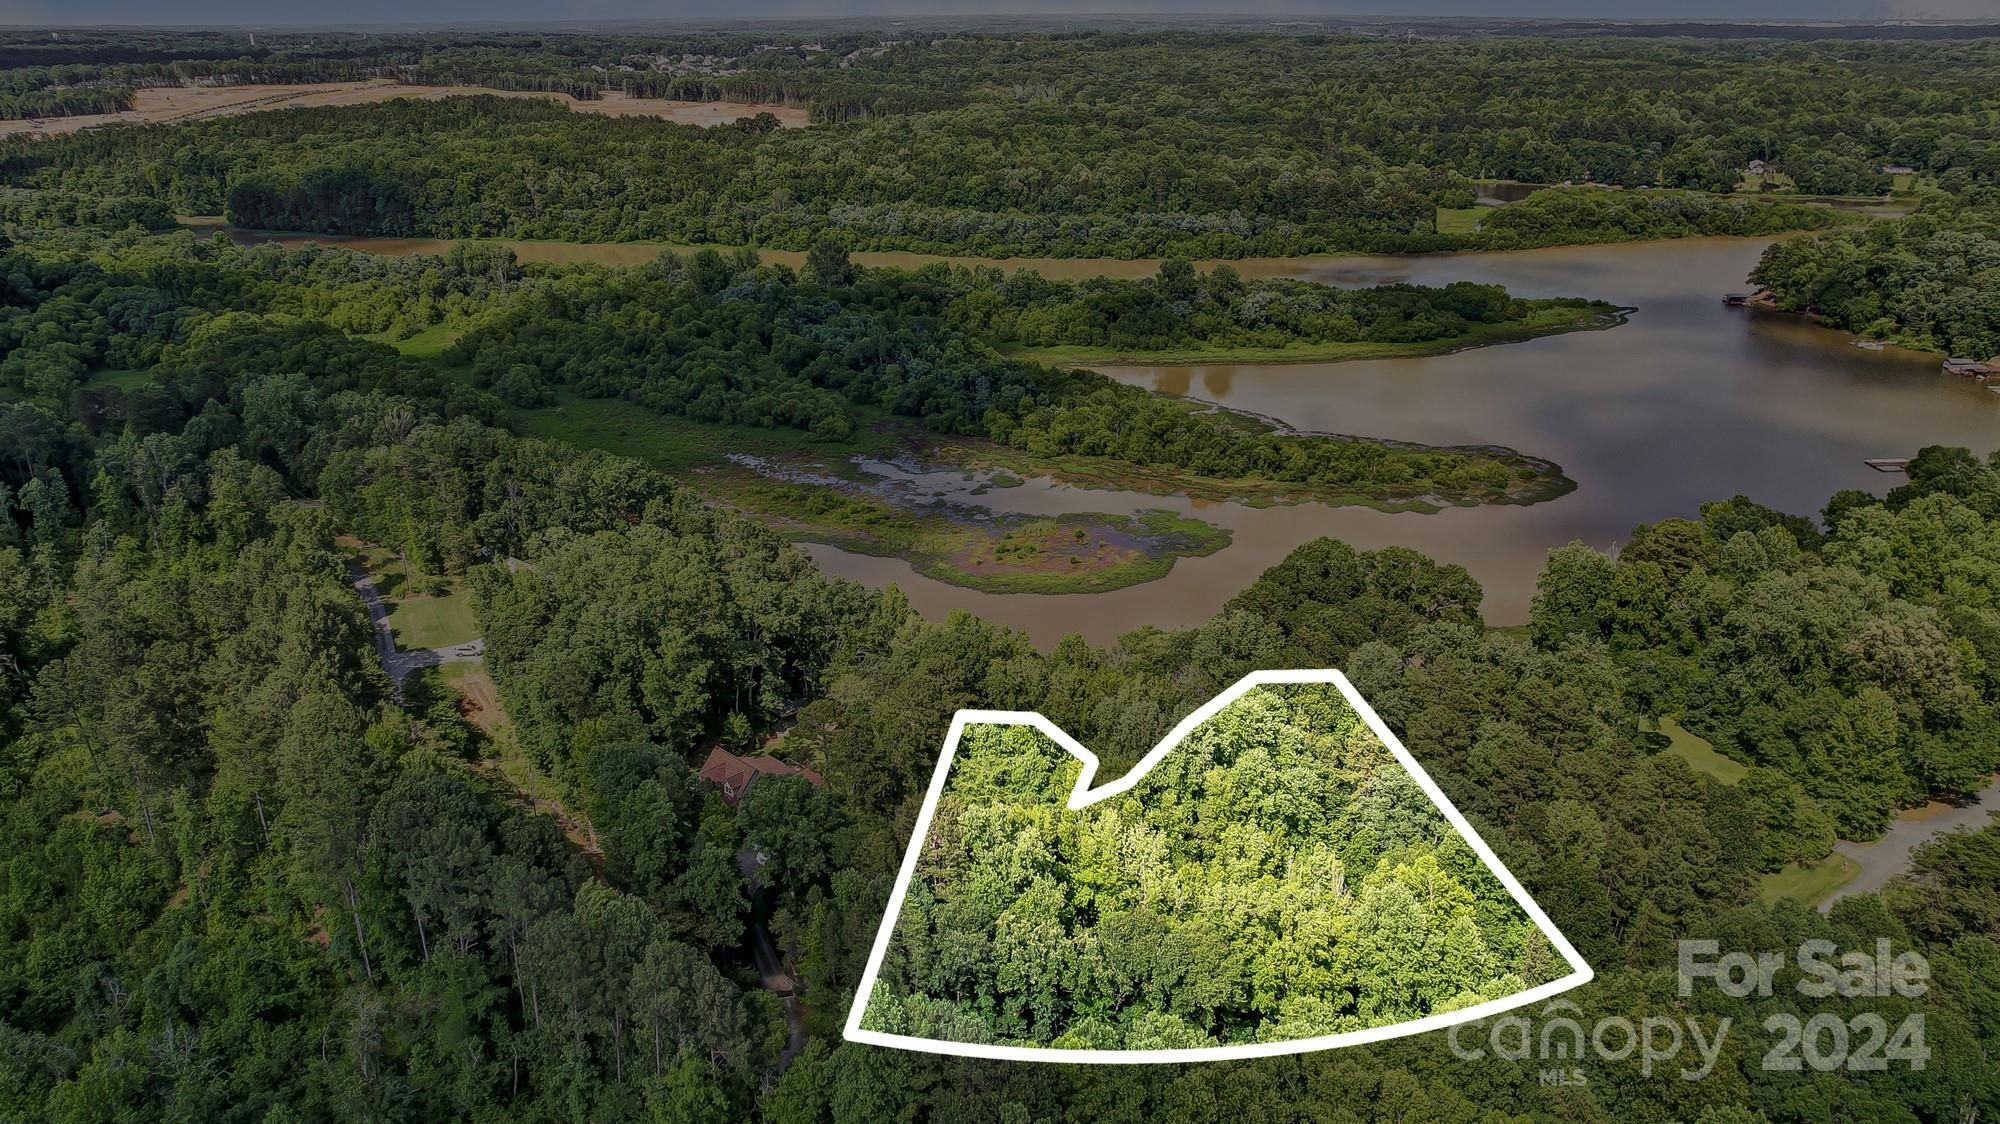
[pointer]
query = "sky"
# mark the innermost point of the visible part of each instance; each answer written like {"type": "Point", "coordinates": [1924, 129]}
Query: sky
{"type": "Point", "coordinates": [72, 13]}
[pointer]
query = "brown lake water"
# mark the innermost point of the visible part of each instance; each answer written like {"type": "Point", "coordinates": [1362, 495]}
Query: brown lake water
{"type": "Point", "coordinates": [1689, 401]}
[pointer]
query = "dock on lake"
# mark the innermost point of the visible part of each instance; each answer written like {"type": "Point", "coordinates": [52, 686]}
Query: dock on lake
{"type": "Point", "coordinates": [1970, 368]}
{"type": "Point", "coordinates": [1889, 464]}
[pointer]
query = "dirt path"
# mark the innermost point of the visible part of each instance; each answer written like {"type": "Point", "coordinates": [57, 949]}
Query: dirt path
{"type": "Point", "coordinates": [1890, 855]}
{"type": "Point", "coordinates": [771, 972]}
{"type": "Point", "coordinates": [166, 104]}
{"type": "Point", "coordinates": [573, 829]}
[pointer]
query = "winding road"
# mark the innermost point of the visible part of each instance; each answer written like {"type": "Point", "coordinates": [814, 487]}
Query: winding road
{"type": "Point", "coordinates": [1891, 855]}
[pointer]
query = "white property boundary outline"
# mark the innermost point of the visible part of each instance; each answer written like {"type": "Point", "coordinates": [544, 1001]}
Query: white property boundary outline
{"type": "Point", "coordinates": [1084, 796]}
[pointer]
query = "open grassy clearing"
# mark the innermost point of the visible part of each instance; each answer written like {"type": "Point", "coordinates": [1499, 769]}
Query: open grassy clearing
{"type": "Point", "coordinates": [1079, 554]}
{"type": "Point", "coordinates": [1459, 220]}
{"type": "Point", "coordinates": [1699, 753]}
{"type": "Point", "coordinates": [417, 618]}
{"type": "Point", "coordinates": [127, 380]}
{"type": "Point", "coordinates": [158, 105]}
{"type": "Point", "coordinates": [433, 621]}
{"type": "Point", "coordinates": [1809, 884]}
{"type": "Point", "coordinates": [427, 344]}
{"type": "Point", "coordinates": [677, 444]}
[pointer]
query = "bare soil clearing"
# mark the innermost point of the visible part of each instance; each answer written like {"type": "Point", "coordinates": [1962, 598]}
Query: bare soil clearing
{"type": "Point", "coordinates": [167, 104]}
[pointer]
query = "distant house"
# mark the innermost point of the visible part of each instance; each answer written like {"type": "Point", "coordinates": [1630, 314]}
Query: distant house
{"type": "Point", "coordinates": [1898, 170]}
{"type": "Point", "coordinates": [1756, 168]}
{"type": "Point", "coordinates": [733, 774]}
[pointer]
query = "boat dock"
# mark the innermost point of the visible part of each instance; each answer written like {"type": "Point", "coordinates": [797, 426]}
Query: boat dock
{"type": "Point", "coordinates": [1889, 464]}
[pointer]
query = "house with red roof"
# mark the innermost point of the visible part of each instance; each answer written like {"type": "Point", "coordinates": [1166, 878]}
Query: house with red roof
{"type": "Point", "coordinates": [733, 774]}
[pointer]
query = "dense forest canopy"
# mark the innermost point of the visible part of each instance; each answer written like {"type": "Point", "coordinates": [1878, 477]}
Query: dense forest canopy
{"type": "Point", "coordinates": [246, 880]}
{"type": "Point", "coordinates": [1277, 876]}
{"type": "Point", "coordinates": [730, 340]}
{"type": "Point", "coordinates": [1931, 281]}
{"type": "Point", "coordinates": [1115, 144]}
{"type": "Point", "coordinates": [717, 340]}
{"type": "Point", "coordinates": [250, 873]}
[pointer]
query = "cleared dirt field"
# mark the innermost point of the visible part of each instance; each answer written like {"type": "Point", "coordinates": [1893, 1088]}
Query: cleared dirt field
{"type": "Point", "coordinates": [191, 103]}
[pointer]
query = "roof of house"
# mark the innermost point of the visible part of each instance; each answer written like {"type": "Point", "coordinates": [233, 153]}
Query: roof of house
{"type": "Point", "coordinates": [733, 773]}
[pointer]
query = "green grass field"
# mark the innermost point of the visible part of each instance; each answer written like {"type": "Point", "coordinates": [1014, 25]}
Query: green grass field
{"type": "Point", "coordinates": [427, 344]}
{"type": "Point", "coordinates": [127, 380]}
{"type": "Point", "coordinates": [433, 622]}
{"type": "Point", "coordinates": [1699, 753]}
{"type": "Point", "coordinates": [1809, 884]}
{"type": "Point", "coordinates": [676, 444]}
{"type": "Point", "coordinates": [1459, 220]}
{"type": "Point", "coordinates": [417, 621]}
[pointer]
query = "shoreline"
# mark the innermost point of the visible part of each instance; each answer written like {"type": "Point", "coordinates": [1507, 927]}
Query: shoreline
{"type": "Point", "coordinates": [1598, 316]}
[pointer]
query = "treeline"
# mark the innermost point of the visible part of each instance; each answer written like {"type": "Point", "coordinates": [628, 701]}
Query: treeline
{"type": "Point", "coordinates": [1855, 660]}
{"type": "Point", "coordinates": [1277, 876]}
{"type": "Point", "coordinates": [80, 303]}
{"type": "Point", "coordinates": [419, 186]}
{"type": "Point", "coordinates": [1929, 281]}
{"type": "Point", "coordinates": [505, 68]}
{"type": "Point", "coordinates": [72, 90]}
{"type": "Point", "coordinates": [704, 337]}
{"type": "Point", "coordinates": [65, 210]}
{"type": "Point", "coordinates": [1584, 216]}
{"type": "Point", "coordinates": [1126, 125]}
{"type": "Point", "coordinates": [64, 101]}
{"type": "Point", "coordinates": [1181, 308]}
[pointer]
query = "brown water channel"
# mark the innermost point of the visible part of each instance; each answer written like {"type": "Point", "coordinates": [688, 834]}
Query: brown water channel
{"type": "Point", "coordinates": [1688, 401]}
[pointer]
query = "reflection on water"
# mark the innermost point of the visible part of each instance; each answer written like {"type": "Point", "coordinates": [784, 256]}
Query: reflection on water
{"type": "Point", "coordinates": [1689, 401]}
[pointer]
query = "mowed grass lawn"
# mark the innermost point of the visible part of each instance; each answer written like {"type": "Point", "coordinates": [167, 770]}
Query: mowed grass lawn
{"type": "Point", "coordinates": [127, 379]}
{"type": "Point", "coordinates": [1809, 884]}
{"type": "Point", "coordinates": [1459, 220]}
{"type": "Point", "coordinates": [1699, 753]}
{"type": "Point", "coordinates": [427, 344]}
{"type": "Point", "coordinates": [416, 620]}
{"type": "Point", "coordinates": [433, 622]}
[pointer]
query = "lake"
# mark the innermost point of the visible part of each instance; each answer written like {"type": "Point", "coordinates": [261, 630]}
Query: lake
{"type": "Point", "coordinates": [1689, 401]}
